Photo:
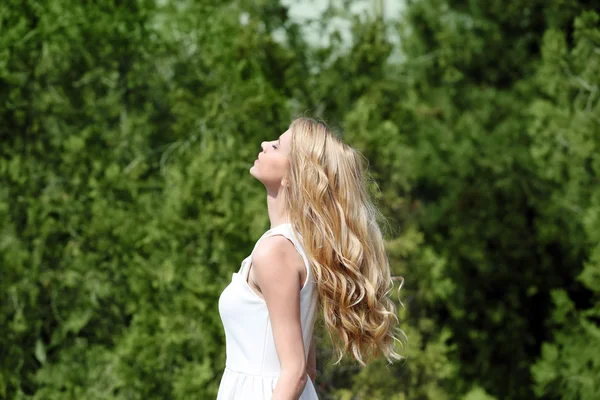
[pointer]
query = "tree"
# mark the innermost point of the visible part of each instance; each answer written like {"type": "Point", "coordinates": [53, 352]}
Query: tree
{"type": "Point", "coordinates": [565, 133]}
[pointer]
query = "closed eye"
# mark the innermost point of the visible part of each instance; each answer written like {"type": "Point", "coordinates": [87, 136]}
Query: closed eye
{"type": "Point", "coordinates": [275, 147]}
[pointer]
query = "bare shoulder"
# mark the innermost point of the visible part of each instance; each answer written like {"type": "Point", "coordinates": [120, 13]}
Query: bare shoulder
{"type": "Point", "coordinates": [276, 258]}
{"type": "Point", "coordinates": [274, 247]}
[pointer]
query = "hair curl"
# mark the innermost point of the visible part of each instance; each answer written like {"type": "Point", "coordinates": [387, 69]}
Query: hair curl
{"type": "Point", "coordinates": [329, 205]}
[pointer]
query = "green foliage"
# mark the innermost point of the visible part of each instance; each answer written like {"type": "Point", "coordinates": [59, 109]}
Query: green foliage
{"type": "Point", "coordinates": [126, 132]}
{"type": "Point", "coordinates": [125, 201]}
{"type": "Point", "coordinates": [566, 145]}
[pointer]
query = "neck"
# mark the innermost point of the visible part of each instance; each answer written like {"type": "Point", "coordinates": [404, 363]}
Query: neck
{"type": "Point", "coordinates": [276, 208]}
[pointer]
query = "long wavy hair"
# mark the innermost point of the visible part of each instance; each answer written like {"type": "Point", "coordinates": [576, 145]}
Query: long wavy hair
{"type": "Point", "coordinates": [329, 205]}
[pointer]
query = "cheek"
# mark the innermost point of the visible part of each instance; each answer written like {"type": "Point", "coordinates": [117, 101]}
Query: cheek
{"type": "Point", "coordinates": [275, 167]}
{"type": "Point", "coordinates": [283, 165]}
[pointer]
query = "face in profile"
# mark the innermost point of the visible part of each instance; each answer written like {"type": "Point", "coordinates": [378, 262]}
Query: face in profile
{"type": "Point", "coordinates": [272, 164]}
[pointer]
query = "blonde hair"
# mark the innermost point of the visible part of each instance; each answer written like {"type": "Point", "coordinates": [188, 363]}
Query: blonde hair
{"type": "Point", "coordinates": [329, 205]}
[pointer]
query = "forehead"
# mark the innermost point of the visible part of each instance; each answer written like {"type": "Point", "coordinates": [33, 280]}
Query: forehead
{"type": "Point", "coordinates": [285, 138]}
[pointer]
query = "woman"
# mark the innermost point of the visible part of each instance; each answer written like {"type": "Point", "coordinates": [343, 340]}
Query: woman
{"type": "Point", "coordinates": [324, 251]}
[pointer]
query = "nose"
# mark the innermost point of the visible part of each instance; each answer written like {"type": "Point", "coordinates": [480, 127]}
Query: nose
{"type": "Point", "coordinates": [262, 146]}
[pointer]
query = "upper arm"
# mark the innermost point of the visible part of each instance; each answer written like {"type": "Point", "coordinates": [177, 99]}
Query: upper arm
{"type": "Point", "coordinates": [277, 274]}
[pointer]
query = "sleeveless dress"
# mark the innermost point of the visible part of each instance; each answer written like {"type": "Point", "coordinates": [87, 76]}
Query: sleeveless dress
{"type": "Point", "coordinates": [252, 366]}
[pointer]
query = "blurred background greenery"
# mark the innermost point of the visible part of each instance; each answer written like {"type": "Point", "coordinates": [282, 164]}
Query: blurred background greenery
{"type": "Point", "coordinates": [127, 129]}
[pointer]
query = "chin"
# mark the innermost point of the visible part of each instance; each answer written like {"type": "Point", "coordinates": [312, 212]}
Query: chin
{"type": "Point", "coordinates": [251, 170]}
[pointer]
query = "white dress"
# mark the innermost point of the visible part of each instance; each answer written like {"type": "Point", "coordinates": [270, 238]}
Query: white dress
{"type": "Point", "coordinates": [252, 364]}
